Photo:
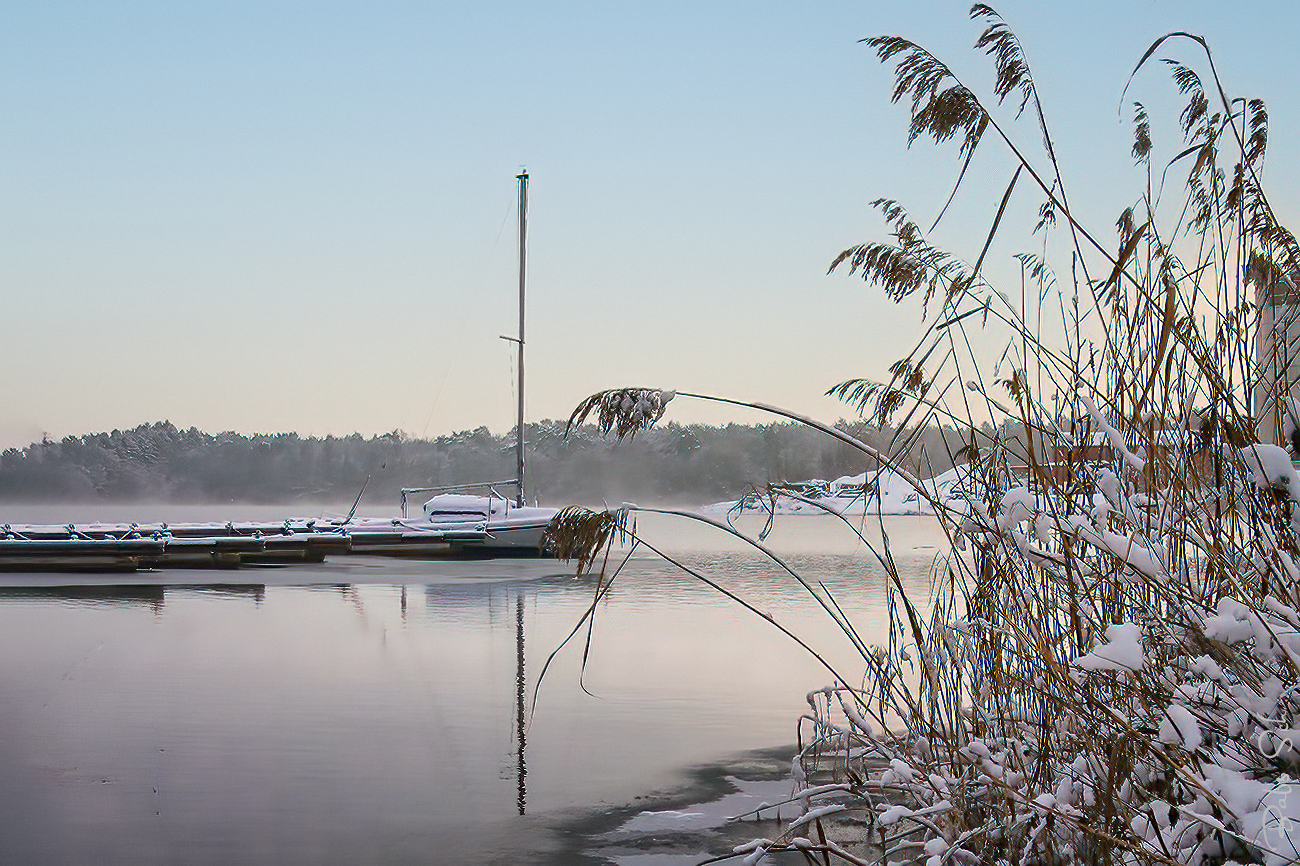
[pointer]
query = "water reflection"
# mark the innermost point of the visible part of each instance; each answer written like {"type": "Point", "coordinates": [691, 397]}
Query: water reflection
{"type": "Point", "coordinates": [341, 718]}
{"type": "Point", "coordinates": [152, 596]}
{"type": "Point", "coordinates": [111, 595]}
{"type": "Point", "coordinates": [521, 771]}
{"type": "Point", "coordinates": [255, 592]}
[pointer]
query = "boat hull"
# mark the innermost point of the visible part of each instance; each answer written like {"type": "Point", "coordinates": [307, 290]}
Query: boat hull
{"type": "Point", "coordinates": [502, 536]}
{"type": "Point", "coordinates": [522, 537]}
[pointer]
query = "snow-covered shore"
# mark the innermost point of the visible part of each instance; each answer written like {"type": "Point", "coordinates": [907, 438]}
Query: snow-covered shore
{"type": "Point", "coordinates": [878, 492]}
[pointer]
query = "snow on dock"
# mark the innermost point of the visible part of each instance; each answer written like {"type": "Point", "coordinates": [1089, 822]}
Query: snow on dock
{"type": "Point", "coordinates": [103, 547]}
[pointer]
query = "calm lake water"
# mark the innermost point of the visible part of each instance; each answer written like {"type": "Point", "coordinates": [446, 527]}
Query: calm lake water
{"type": "Point", "coordinates": [365, 710]}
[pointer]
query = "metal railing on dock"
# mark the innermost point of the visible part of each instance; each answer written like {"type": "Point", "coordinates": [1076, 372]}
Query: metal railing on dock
{"type": "Point", "coordinates": [489, 486]}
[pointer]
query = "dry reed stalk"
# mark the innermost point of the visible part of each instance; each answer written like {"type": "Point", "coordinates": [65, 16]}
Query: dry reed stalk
{"type": "Point", "coordinates": [1111, 669]}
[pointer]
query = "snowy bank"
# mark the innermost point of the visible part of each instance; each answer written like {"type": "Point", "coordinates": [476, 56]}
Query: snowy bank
{"type": "Point", "coordinates": [881, 491]}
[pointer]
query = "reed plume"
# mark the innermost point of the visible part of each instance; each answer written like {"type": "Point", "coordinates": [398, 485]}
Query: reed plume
{"type": "Point", "coordinates": [1110, 669]}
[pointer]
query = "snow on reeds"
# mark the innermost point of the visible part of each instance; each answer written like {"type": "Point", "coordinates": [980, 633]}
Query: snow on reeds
{"type": "Point", "coordinates": [1110, 672]}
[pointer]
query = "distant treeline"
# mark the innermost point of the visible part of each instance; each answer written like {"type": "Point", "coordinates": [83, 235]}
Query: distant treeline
{"type": "Point", "coordinates": [670, 463]}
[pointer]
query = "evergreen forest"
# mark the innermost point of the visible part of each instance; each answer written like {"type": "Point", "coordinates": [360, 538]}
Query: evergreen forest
{"type": "Point", "coordinates": [671, 463]}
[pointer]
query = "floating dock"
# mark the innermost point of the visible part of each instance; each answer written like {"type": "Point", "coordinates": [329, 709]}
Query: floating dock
{"type": "Point", "coordinates": [129, 547]}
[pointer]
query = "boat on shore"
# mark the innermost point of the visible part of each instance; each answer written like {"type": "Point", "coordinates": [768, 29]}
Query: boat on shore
{"type": "Point", "coordinates": [877, 492]}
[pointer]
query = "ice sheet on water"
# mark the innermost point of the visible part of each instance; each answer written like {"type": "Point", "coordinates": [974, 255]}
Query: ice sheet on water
{"type": "Point", "coordinates": [657, 859]}
{"type": "Point", "coordinates": [749, 796]}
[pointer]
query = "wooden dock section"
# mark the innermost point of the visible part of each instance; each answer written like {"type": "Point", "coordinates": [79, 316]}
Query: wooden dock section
{"type": "Point", "coordinates": [129, 547]}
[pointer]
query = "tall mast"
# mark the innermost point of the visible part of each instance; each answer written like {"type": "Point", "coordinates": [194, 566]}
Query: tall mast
{"type": "Point", "coordinates": [522, 177]}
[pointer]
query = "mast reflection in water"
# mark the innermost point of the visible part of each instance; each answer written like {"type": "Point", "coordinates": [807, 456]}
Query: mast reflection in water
{"type": "Point", "coordinates": [521, 771]}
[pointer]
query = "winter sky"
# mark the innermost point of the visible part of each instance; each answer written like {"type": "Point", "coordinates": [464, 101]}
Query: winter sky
{"type": "Point", "coordinates": [300, 216]}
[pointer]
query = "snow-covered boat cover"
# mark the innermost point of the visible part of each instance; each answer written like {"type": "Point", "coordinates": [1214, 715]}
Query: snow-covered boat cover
{"type": "Point", "coordinates": [493, 510]}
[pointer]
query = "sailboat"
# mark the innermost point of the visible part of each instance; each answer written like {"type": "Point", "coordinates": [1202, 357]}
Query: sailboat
{"type": "Point", "coordinates": [479, 519]}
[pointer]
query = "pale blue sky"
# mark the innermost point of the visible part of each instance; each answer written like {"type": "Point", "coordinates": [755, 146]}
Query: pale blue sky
{"type": "Point", "coordinates": [272, 216]}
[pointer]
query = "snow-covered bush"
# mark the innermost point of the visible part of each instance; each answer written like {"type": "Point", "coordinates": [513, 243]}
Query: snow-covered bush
{"type": "Point", "coordinates": [1110, 672]}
